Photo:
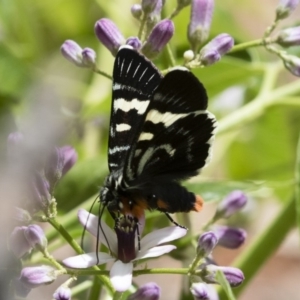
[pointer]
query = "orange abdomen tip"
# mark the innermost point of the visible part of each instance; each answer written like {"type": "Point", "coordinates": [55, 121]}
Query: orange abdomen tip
{"type": "Point", "coordinates": [198, 203]}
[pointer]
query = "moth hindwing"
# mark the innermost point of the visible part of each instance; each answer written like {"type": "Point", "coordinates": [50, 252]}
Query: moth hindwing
{"type": "Point", "coordinates": [160, 134]}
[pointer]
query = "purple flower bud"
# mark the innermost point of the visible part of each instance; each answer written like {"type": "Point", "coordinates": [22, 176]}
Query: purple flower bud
{"type": "Point", "coordinates": [149, 291]}
{"type": "Point", "coordinates": [22, 215]}
{"type": "Point", "coordinates": [206, 243]}
{"type": "Point", "coordinates": [72, 52]}
{"type": "Point", "coordinates": [234, 276]}
{"type": "Point", "coordinates": [285, 8]}
{"type": "Point", "coordinates": [109, 35]}
{"type": "Point", "coordinates": [203, 291]}
{"type": "Point", "coordinates": [289, 37]}
{"type": "Point", "coordinates": [155, 16]}
{"type": "Point", "coordinates": [32, 277]}
{"type": "Point", "coordinates": [62, 293]}
{"type": "Point", "coordinates": [136, 11]}
{"type": "Point", "coordinates": [18, 243]}
{"type": "Point", "coordinates": [292, 63]}
{"type": "Point", "coordinates": [134, 42]}
{"type": "Point", "coordinates": [215, 49]}
{"type": "Point", "coordinates": [160, 35]}
{"type": "Point", "coordinates": [231, 204]}
{"type": "Point", "coordinates": [89, 57]}
{"type": "Point", "coordinates": [148, 6]}
{"type": "Point", "coordinates": [229, 237]}
{"type": "Point", "coordinates": [69, 155]}
{"type": "Point", "coordinates": [199, 26]}
{"type": "Point", "coordinates": [36, 237]}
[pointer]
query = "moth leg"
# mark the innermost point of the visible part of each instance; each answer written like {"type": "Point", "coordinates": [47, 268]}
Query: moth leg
{"type": "Point", "coordinates": [174, 222]}
{"type": "Point", "coordinates": [138, 233]}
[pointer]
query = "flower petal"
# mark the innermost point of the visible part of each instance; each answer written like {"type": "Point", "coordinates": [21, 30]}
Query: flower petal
{"type": "Point", "coordinates": [121, 276]}
{"type": "Point", "coordinates": [87, 260]}
{"type": "Point", "coordinates": [163, 235]}
{"type": "Point", "coordinates": [91, 223]}
{"type": "Point", "coordinates": [154, 252]}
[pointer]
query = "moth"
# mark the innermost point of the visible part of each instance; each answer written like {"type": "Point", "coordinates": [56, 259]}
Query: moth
{"type": "Point", "coordinates": [160, 134]}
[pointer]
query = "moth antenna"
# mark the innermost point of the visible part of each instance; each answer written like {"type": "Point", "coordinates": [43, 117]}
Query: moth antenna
{"type": "Point", "coordinates": [101, 211]}
{"type": "Point", "coordinates": [84, 228]}
{"type": "Point", "coordinates": [174, 222]}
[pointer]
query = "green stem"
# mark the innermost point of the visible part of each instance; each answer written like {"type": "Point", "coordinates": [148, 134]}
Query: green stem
{"type": "Point", "coordinates": [170, 55]}
{"type": "Point", "coordinates": [117, 296]}
{"type": "Point", "coordinates": [98, 71]}
{"type": "Point", "coordinates": [255, 108]}
{"type": "Point", "coordinates": [265, 245]}
{"type": "Point", "coordinates": [142, 25]}
{"type": "Point", "coordinates": [182, 271]}
{"type": "Point", "coordinates": [95, 289]}
{"type": "Point", "coordinates": [247, 45]}
{"type": "Point", "coordinates": [78, 250]}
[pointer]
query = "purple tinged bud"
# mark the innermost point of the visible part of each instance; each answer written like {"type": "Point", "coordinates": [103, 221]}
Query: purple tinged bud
{"type": "Point", "coordinates": [18, 243]}
{"type": "Point", "coordinates": [62, 293]}
{"type": "Point", "coordinates": [206, 243]}
{"type": "Point", "coordinates": [160, 35]}
{"type": "Point", "coordinates": [155, 16]}
{"type": "Point", "coordinates": [233, 275]}
{"type": "Point", "coordinates": [216, 48]}
{"type": "Point", "coordinates": [36, 237]}
{"type": "Point", "coordinates": [292, 63]}
{"type": "Point", "coordinates": [285, 8]}
{"type": "Point", "coordinates": [229, 237]}
{"type": "Point", "coordinates": [32, 277]}
{"type": "Point", "coordinates": [136, 11]}
{"type": "Point", "coordinates": [200, 21]}
{"type": "Point", "coordinates": [22, 215]}
{"type": "Point", "coordinates": [149, 291]}
{"type": "Point", "coordinates": [89, 57]}
{"type": "Point", "coordinates": [70, 156]}
{"type": "Point", "coordinates": [134, 42]}
{"type": "Point", "coordinates": [109, 35]}
{"type": "Point", "coordinates": [148, 6]}
{"type": "Point", "coordinates": [203, 291]}
{"type": "Point", "coordinates": [235, 201]}
{"type": "Point", "coordinates": [289, 37]}
{"type": "Point", "coordinates": [72, 52]}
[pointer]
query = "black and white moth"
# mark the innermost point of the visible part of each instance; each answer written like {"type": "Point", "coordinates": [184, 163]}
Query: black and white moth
{"type": "Point", "coordinates": [160, 134]}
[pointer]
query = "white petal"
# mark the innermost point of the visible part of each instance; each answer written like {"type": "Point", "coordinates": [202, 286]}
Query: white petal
{"type": "Point", "coordinates": [121, 276]}
{"type": "Point", "coordinates": [155, 251]}
{"type": "Point", "coordinates": [87, 260]}
{"type": "Point", "coordinates": [91, 223]}
{"type": "Point", "coordinates": [163, 235]}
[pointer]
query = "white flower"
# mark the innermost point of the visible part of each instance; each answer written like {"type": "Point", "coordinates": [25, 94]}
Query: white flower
{"type": "Point", "coordinates": [121, 272]}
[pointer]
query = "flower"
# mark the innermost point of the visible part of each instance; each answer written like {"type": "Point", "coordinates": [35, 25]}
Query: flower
{"type": "Point", "coordinates": [148, 5]}
{"type": "Point", "coordinates": [206, 243]}
{"type": "Point", "coordinates": [62, 293]}
{"type": "Point", "coordinates": [136, 11]}
{"type": "Point", "coordinates": [88, 57]}
{"type": "Point", "coordinates": [215, 49]}
{"type": "Point", "coordinates": [32, 277]}
{"type": "Point", "coordinates": [134, 42]}
{"type": "Point", "coordinates": [235, 201]}
{"type": "Point", "coordinates": [36, 237]}
{"type": "Point", "coordinates": [18, 243]}
{"type": "Point", "coordinates": [289, 37]}
{"type": "Point", "coordinates": [121, 271]}
{"type": "Point", "coordinates": [285, 8]}
{"type": "Point", "coordinates": [203, 291]}
{"type": "Point", "coordinates": [109, 35]}
{"type": "Point", "coordinates": [292, 63]}
{"type": "Point", "coordinates": [233, 275]}
{"type": "Point", "coordinates": [160, 35]}
{"type": "Point", "coordinates": [72, 52]}
{"type": "Point", "coordinates": [200, 21]}
{"type": "Point", "coordinates": [149, 291]}
{"type": "Point", "coordinates": [230, 237]}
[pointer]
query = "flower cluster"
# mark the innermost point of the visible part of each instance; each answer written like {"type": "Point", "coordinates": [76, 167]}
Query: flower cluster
{"type": "Point", "coordinates": [206, 268]}
{"type": "Point", "coordinates": [154, 35]}
{"type": "Point", "coordinates": [39, 205]}
{"type": "Point", "coordinates": [286, 38]}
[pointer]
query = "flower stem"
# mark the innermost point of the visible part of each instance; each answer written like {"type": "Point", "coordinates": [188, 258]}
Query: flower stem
{"type": "Point", "coordinates": [182, 271]}
{"type": "Point", "coordinates": [265, 245]}
{"type": "Point", "coordinates": [98, 71]}
{"type": "Point", "coordinates": [246, 45]}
